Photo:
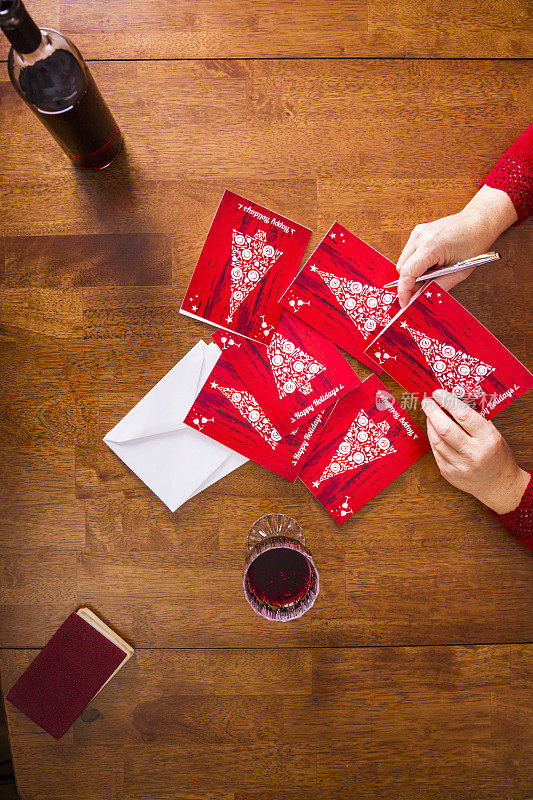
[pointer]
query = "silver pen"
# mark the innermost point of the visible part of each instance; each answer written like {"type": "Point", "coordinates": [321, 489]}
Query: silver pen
{"type": "Point", "coordinates": [468, 263]}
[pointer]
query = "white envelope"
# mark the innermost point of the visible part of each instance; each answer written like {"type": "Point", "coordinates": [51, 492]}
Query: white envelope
{"type": "Point", "coordinates": [174, 461]}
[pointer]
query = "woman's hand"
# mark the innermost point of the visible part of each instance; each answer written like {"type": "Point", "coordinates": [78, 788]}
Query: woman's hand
{"type": "Point", "coordinates": [472, 455]}
{"type": "Point", "coordinates": [451, 239]}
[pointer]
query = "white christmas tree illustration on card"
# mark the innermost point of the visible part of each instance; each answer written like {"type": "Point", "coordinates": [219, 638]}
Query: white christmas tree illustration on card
{"type": "Point", "coordinates": [251, 258]}
{"type": "Point", "coordinates": [367, 306]}
{"type": "Point", "coordinates": [251, 411]}
{"type": "Point", "coordinates": [366, 441]}
{"type": "Point", "coordinates": [292, 367]}
{"type": "Point", "coordinates": [458, 372]}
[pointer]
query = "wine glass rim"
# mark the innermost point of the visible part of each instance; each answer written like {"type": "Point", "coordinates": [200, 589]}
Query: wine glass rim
{"type": "Point", "coordinates": [273, 525]}
{"type": "Point", "coordinates": [277, 515]}
{"type": "Point", "coordinates": [301, 606]}
{"type": "Point", "coordinates": [277, 542]}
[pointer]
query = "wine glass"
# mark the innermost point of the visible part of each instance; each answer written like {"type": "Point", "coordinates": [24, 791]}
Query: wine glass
{"type": "Point", "coordinates": [280, 578]}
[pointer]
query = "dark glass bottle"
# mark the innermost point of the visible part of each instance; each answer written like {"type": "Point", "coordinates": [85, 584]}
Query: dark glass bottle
{"type": "Point", "coordinates": [52, 78]}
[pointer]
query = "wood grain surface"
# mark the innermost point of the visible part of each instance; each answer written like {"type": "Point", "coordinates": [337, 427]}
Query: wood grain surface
{"type": "Point", "coordinates": [411, 676]}
{"type": "Point", "coordinates": [290, 28]}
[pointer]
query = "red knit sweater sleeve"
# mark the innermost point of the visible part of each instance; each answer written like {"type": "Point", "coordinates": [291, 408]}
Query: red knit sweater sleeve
{"type": "Point", "coordinates": [513, 174]}
{"type": "Point", "coordinates": [519, 522]}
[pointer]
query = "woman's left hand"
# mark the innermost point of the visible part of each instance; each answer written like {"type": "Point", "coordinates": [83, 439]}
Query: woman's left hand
{"type": "Point", "coordinates": [471, 454]}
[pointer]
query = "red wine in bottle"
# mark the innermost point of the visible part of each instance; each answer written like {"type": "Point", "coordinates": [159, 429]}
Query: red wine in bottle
{"type": "Point", "coordinates": [50, 75]}
{"type": "Point", "coordinates": [280, 576]}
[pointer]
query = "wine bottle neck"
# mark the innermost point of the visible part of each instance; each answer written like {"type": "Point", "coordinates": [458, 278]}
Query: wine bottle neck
{"type": "Point", "coordinates": [19, 27]}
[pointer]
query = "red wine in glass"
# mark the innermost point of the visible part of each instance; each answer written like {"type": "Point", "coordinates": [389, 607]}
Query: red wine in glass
{"type": "Point", "coordinates": [280, 578]}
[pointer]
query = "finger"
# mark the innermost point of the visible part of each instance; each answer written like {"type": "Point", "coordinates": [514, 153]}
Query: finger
{"type": "Point", "coordinates": [446, 428]}
{"type": "Point", "coordinates": [444, 461]}
{"type": "Point", "coordinates": [407, 251]}
{"type": "Point", "coordinates": [439, 446]}
{"type": "Point", "coordinates": [415, 266]}
{"type": "Point", "coordinates": [406, 285]}
{"type": "Point", "coordinates": [469, 419]}
{"type": "Point", "coordinates": [445, 467]}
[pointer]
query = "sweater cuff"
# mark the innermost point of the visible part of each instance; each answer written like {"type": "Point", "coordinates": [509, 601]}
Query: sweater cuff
{"type": "Point", "coordinates": [513, 174]}
{"type": "Point", "coordinates": [519, 522]}
{"type": "Point", "coordinates": [507, 176]}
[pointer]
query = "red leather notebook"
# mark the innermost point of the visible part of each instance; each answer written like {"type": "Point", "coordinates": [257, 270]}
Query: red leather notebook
{"type": "Point", "coordinates": [69, 671]}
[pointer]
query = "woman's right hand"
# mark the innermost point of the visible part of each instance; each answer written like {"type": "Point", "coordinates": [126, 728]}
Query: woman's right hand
{"type": "Point", "coordinates": [471, 453]}
{"type": "Point", "coordinates": [451, 239]}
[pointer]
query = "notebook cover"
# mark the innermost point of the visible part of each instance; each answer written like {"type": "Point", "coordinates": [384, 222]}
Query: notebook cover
{"type": "Point", "coordinates": [226, 411]}
{"type": "Point", "coordinates": [436, 343]}
{"type": "Point", "coordinates": [250, 256]}
{"type": "Point", "coordinates": [65, 676]}
{"type": "Point", "coordinates": [339, 292]}
{"type": "Point", "coordinates": [299, 374]}
{"type": "Point", "coordinates": [367, 442]}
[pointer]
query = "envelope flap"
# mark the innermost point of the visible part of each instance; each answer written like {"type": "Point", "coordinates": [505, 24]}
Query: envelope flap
{"type": "Point", "coordinates": [165, 406]}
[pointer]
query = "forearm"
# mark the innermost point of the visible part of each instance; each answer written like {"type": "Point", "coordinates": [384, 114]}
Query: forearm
{"type": "Point", "coordinates": [506, 494]}
{"type": "Point", "coordinates": [488, 214]}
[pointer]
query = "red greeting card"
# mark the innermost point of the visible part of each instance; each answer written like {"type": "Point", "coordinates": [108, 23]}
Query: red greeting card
{"type": "Point", "coordinates": [339, 292]}
{"type": "Point", "coordinates": [250, 256]}
{"type": "Point", "coordinates": [299, 374]}
{"type": "Point", "coordinates": [227, 412]}
{"type": "Point", "coordinates": [436, 343]}
{"type": "Point", "coordinates": [367, 442]}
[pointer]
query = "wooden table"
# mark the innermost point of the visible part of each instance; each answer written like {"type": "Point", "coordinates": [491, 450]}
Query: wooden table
{"type": "Point", "coordinates": [411, 677]}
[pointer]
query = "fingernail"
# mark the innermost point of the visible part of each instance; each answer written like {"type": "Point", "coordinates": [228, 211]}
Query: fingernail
{"type": "Point", "coordinates": [439, 395]}
{"type": "Point", "coordinates": [426, 404]}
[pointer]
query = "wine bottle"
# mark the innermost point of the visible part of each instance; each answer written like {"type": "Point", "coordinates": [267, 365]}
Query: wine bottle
{"type": "Point", "coordinates": [50, 75]}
